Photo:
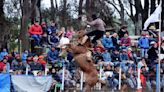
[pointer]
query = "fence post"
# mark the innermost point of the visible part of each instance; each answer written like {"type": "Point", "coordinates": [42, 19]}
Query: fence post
{"type": "Point", "coordinates": [81, 81]}
{"type": "Point", "coordinates": [100, 75]}
{"type": "Point", "coordinates": [157, 78]}
{"type": "Point", "coordinates": [63, 74]}
{"type": "Point", "coordinates": [27, 69]}
{"type": "Point", "coordinates": [138, 78]}
{"type": "Point", "coordinates": [119, 86]}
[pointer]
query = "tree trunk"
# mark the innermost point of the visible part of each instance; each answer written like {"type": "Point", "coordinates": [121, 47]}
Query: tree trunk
{"type": "Point", "coordinates": [80, 10]}
{"type": "Point", "coordinates": [152, 6]}
{"type": "Point", "coordinates": [64, 12]}
{"type": "Point", "coordinates": [52, 10]}
{"type": "Point", "coordinates": [24, 24]}
{"type": "Point", "coordinates": [122, 15]}
{"type": "Point", "coordinates": [56, 5]}
{"type": "Point", "coordinates": [145, 12]}
{"type": "Point", "coordinates": [35, 10]}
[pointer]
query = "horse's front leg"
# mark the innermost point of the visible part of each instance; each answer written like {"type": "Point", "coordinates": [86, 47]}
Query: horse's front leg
{"type": "Point", "coordinates": [87, 88]}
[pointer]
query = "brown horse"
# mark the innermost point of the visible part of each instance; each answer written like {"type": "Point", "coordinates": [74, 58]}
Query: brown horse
{"type": "Point", "coordinates": [79, 53]}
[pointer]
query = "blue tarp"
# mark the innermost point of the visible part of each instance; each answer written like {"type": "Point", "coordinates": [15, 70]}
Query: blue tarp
{"type": "Point", "coordinates": [4, 82]}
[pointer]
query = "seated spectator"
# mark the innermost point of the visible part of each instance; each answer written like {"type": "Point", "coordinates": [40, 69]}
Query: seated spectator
{"type": "Point", "coordinates": [122, 31]}
{"type": "Point", "coordinates": [53, 39]}
{"type": "Point", "coordinates": [14, 63]}
{"type": "Point", "coordinates": [36, 32]}
{"type": "Point", "coordinates": [125, 41]}
{"type": "Point", "coordinates": [53, 55]}
{"type": "Point", "coordinates": [52, 28]}
{"type": "Point", "coordinates": [35, 65]}
{"type": "Point", "coordinates": [143, 63]}
{"type": "Point", "coordinates": [24, 56]}
{"type": "Point", "coordinates": [97, 55]}
{"type": "Point", "coordinates": [70, 32]}
{"type": "Point", "coordinates": [143, 44]}
{"type": "Point", "coordinates": [3, 64]}
{"type": "Point", "coordinates": [107, 41]}
{"type": "Point", "coordinates": [41, 60]}
{"type": "Point", "coordinates": [44, 28]}
{"type": "Point", "coordinates": [153, 53]}
{"type": "Point", "coordinates": [115, 57]}
{"type": "Point", "coordinates": [132, 56]}
{"type": "Point", "coordinates": [3, 53]}
{"type": "Point", "coordinates": [29, 59]}
{"type": "Point", "coordinates": [124, 55]}
{"type": "Point", "coordinates": [106, 57]}
{"type": "Point", "coordinates": [115, 41]}
{"type": "Point", "coordinates": [99, 46]}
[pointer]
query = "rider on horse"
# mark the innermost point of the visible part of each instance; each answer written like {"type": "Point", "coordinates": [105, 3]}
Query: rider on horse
{"type": "Point", "coordinates": [98, 32]}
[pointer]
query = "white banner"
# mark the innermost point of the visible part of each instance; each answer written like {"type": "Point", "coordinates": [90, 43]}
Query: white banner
{"type": "Point", "coordinates": [154, 17]}
{"type": "Point", "coordinates": [23, 83]}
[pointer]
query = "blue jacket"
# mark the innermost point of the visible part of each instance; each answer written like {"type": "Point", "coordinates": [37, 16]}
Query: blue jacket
{"type": "Point", "coordinates": [24, 56]}
{"type": "Point", "coordinates": [106, 56]}
{"type": "Point", "coordinates": [143, 42]}
{"type": "Point", "coordinates": [2, 54]}
{"type": "Point", "coordinates": [123, 57]}
{"type": "Point", "coordinates": [52, 55]}
{"type": "Point", "coordinates": [107, 42]}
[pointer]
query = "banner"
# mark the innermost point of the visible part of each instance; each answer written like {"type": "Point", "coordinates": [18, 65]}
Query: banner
{"type": "Point", "coordinates": [25, 83]}
{"type": "Point", "coordinates": [4, 82]}
{"type": "Point", "coordinates": [154, 17]}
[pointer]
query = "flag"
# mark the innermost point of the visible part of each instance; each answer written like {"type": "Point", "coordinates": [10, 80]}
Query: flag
{"type": "Point", "coordinates": [4, 82]}
{"type": "Point", "coordinates": [25, 83]}
{"type": "Point", "coordinates": [154, 17]}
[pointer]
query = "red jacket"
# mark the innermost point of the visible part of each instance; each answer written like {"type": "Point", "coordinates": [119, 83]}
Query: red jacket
{"type": "Point", "coordinates": [2, 66]}
{"type": "Point", "coordinates": [125, 41]}
{"type": "Point", "coordinates": [35, 29]}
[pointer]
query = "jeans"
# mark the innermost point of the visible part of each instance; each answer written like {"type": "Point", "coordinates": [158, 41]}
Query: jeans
{"type": "Point", "coordinates": [37, 39]}
{"type": "Point", "coordinates": [144, 52]}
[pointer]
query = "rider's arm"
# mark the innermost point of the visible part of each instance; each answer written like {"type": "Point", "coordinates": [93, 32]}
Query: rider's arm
{"type": "Point", "coordinates": [92, 23]}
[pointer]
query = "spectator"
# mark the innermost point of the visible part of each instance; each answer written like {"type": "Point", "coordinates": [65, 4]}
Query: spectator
{"type": "Point", "coordinates": [35, 65]}
{"type": "Point", "coordinates": [125, 41]}
{"type": "Point", "coordinates": [122, 31]}
{"type": "Point", "coordinates": [3, 66]}
{"type": "Point", "coordinates": [24, 56]}
{"type": "Point", "coordinates": [107, 57]}
{"type": "Point", "coordinates": [144, 44]}
{"type": "Point", "coordinates": [107, 41]}
{"type": "Point", "coordinates": [115, 41]}
{"type": "Point", "coordinates": [153, 53]}
{"type": "Point", "coordinates": [132, 55]}
{"type": "Point", "coordinates": [115, 57]}
{"type": "Point", "coordinates": [53, 39]}
{"type": "Point", "coordinates": [3, 53]}
{"type": "Point", "coordinates": [14, 64]}
{"type": "Point", "coordinates": [162, 47]}
{"type": "Point", "coordinates": [53, 55]}
{"type": "Point", "coordinates": [44, 28]}
{"type": "Point", "coordinates": [70, 32]}
{"type": "Point", "coordinates": [36, 32]}
{"type": "Point", "coordinates": [41, 60]}
{"type": "Point", "coordinates": [52, 28]}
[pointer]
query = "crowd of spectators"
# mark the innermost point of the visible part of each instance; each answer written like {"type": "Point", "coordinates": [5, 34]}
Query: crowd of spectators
{"type": "Point", "coordinates": [113, 51]}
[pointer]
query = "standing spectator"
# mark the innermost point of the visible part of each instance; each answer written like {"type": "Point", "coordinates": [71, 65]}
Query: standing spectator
{"type": "Point", "coordinates": [125, 41]}
{"type": "Point", "coordinates": [143, 44]}
{"type": "Point", "coordinates": [122, 31]}
{"type": "Point", "coordinates": [53, 55]}
{"type": "Point", "coordinates": [3, 53]}
{"type": "Point", "coordinates": [115, 41]}
{"type": "Point", "coordinates": [36, 32]}
{"type": "Point", "coordinates": [153, 53]}
{"type": "Point", "coordinates": [107, 41]}
{"type": "Point", "coordinates": [24, 56]}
